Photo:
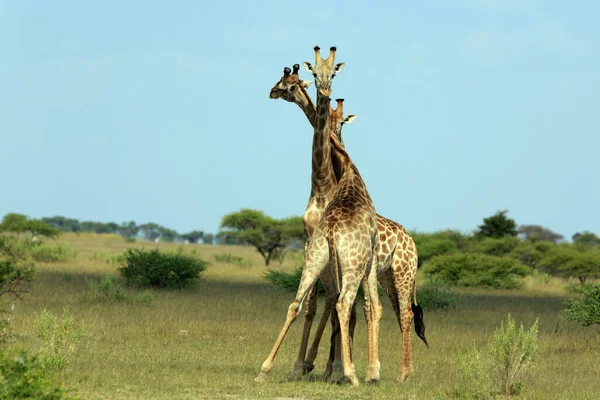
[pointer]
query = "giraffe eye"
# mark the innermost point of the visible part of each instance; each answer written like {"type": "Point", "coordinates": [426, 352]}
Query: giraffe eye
{"type": "Point", "coordinates": [292, 89]}
{"type": "Point", "coordinates": [315, 75]}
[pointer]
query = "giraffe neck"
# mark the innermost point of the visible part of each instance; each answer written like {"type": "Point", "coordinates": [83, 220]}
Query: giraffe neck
{"type": "Point", "coordinates": [323, 179]}
{"type": "Point", "coordinates": [306, 105]}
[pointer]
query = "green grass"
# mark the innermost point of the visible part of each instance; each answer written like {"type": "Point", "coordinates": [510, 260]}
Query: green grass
{"type": "Point", "coordinates": [210, 341]}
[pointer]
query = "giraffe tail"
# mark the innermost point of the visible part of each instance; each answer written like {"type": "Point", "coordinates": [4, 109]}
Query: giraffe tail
{"type": "Point", "coordinates": [418, 315]}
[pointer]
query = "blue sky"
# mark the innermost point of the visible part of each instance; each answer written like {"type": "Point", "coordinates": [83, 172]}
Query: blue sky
{"type": "Point", "coordinates": [159, 111]}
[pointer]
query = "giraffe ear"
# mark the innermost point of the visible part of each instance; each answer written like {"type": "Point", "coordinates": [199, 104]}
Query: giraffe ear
{"type": "Point", "coordinates": [349, 119]}
{"type": "Point", "coordinates": [308, 66]}
{"type": "Point", "coordinates": [305, 84]}
{"type": "Point", "coordinates": [338, 68]}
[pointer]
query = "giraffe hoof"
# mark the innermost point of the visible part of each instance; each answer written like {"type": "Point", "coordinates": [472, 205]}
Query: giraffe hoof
{"type": "Point", "coordinates": [372, 381]}
{"type": "Point", "coordinates": [261, 378]}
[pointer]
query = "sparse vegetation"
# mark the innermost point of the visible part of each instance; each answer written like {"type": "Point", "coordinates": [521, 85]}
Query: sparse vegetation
{"type": "Point", "coordinates": [59, 336]}
{"type": "Point", "coordinates": [52, 253]}
{"type": "Point", "coordinates": [175, 349]}
{"type": "Point", "coordinates": [229, 258]}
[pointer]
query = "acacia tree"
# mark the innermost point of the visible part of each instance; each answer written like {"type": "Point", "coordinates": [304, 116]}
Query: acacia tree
{"type": "Point", "coordinates": [498, 225]}
{"type": "Point", "coordinates": [536, 233]}
{"type": "Point", "coordinates": [268, 235]}
{"type": "Point", "coordinates": [19, 223]}
{"type": "Point", "coordinates": [571, 262]}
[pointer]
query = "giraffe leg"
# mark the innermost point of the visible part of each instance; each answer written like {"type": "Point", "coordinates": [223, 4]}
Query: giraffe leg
{"type": "Point", "coordinates": [343, 307]}
{"type": "Point", "coordinates": [406, 317]}
{"type": "Point", "coordinates": [373, 316]}
{"type": "Point", "coordinates": [332, 347]}
{"type": "Point", "coordinates": [335, 363]}
{"type": "Point", "coordinates": [300, 367]}
{"type": "Point", "coordinates": [314, 263]}
{"type": "Point", "coordinates": [314, 348]}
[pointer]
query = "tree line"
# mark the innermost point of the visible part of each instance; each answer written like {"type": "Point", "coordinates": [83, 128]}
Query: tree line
{"type": "Point", "coordinates": [129, 229]}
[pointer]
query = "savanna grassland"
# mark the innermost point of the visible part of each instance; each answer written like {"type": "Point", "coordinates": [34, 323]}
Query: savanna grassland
{"type": "Point", "coordinates": [210, 341]}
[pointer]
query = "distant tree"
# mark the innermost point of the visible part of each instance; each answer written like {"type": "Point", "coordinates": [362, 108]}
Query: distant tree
{"type": "Point", "coordinates": [150, 231]}
{"type": "Point", "coordinates": [498, 225]}
{"type": "Point", "coordinates": [168, 235]}
{"type": "Point", "coordinates": [586, 238]}
{"type": "Point", "coordinates": [99, 227]}
{"type": "Point", "coordinates": [63, 224]}
{"type": "Point", "coordinates": [208, 238]}
{"type": "Point", "coordinates": [266, 234]}
{"type": "Point", "coordinates": [569, 261]}
{"type": "Point", "coordinates": [536, 233]}
{"type": "Point", "coordinates": [19, 223]}
{"type": "Point", "coordinates": [129, 229]}
{"type": "Point", "coordinates": [193, 236]}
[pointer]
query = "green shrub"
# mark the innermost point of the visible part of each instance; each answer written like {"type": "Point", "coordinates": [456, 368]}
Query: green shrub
{"type": "Point", "coordinates": [52, 253]}
{"type": "Point", "coordinates": [528, 253]}
{"type": "Point", "coordinates": [15, 275]}
{"type": "Point", "coordinates": [584, 310]}
{"type": "Point", "coordinates": [475, 381]}
{"type": "Point", "coordinates": [144, 297]}
{"type": "Point", "coordinates": [435, 296]}
{"type": "Point", "coordinates": [512, 353]}
{"type": "Point", "coordinates": [288, 281]}
{"type": "Point", "coordinates": [232, 259]}
{"type": "Point", "coordinates": [157, 269]}
{"type": "Point", "coordinates": [429, 246]}
{"type": "Point", "coordinates": [23, 376]}
{"type": "Point", "coordinates": [105, 289]}
{"type": "Point", "coordinates": [508, 356]}
{"type": "Point", "coordinates": [59, 337]}
{"type": "Point", "coordinates": [476, 270]}
{"type": "Point", "coordinates": [494, 246]}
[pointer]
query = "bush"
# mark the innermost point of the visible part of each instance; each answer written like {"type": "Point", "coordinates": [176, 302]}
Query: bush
{"type": "Point", "coordinates": [475, 381]}
{"type": "Point", "coordinates": [23, 376]}
{"type": "Point", "coordinates": [476, 270]}
{"type": "Point", "coordinates": [586, 309]}
{"type": "Point", "coordinates": [512, 353]}
{"type": "Point", "coordinates": [59, 337]}
{"type": "Point", "coordinates": [14, 278]}
{"type": "Point", "coordinates": [435, 296]}
{"type": "Point", "coordinates": [157, 269]}
{"type": "Point", "coordinates": [429, 246]}
{"type": "Point", "coordinates": [52, 253]}
{"type": "Point", "coordinates": [529, 253]}
{"type": "Point", "coordinates": [289, 281]}
{"type": "Point", "coordinates": [495, 246]}
{"type": "Point", "coordinates": [106, 289]}
{"type": "Point", "coordinates": [509, 355]}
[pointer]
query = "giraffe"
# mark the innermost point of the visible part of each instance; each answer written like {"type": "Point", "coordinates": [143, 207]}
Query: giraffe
{"type": "Point", "coordinates": [346, 234]}
{"type": "Point", "coordinates": [396, 255]}
{"type": "Point", "coordinates": [292, 89]}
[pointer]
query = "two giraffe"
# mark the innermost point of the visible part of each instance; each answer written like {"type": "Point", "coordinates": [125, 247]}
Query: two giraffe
{"type": "Point", "coordinates": [341, 225]}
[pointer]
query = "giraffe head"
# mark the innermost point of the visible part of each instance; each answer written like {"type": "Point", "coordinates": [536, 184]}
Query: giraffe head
{"type": "Point", "coordinates": [338, 120]}
{"type": "Point", "coordinates": [324, 70]}
{"type": "Point", "coordinates": [290, 85]}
